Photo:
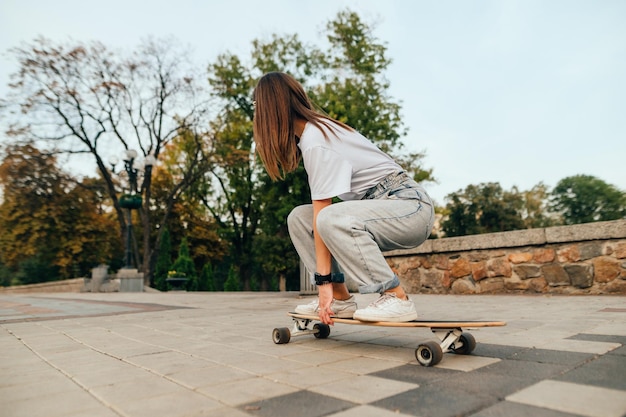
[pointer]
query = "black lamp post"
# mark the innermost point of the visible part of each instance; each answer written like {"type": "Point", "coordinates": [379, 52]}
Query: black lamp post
{"type": "Point", "coordinates": [132, 199]}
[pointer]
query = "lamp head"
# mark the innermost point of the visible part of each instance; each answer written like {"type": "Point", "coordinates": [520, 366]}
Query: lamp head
{"type": "Point", "coordinates": [131, 154]}
{"type": "Point", "coordinates": [150, 160]}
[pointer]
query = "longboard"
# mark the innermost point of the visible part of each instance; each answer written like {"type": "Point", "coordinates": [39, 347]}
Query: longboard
{"type": "Point", "coordinates": [450, 333]}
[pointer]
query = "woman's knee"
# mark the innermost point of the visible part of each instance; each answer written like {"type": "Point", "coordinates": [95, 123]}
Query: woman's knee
{"type": "Point", "coordinates": [331, 222]}
{"type": "Point", "coordinates": [299, 216]}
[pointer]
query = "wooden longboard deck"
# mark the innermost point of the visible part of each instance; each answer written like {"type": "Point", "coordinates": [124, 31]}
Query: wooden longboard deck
{"type": "Point", "coordinates": [439, 324]}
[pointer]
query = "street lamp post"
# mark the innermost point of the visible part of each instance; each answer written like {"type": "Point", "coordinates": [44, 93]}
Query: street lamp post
{"type": "Point", "coordinates": [131, 200]}
{"type": "Point", "coordinates": [131, 154]}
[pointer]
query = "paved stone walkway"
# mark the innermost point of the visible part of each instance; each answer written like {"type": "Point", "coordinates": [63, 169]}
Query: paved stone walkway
{"type": "Point", "coordinates": [212, 354]}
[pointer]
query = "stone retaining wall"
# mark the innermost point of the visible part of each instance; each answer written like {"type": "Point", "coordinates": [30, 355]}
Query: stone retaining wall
{"type": "Point", "coordinates": [581, 259]}
{"type": "Point", "coordinates": [68, 285]}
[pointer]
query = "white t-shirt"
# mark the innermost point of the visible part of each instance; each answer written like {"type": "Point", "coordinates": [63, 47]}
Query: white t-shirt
{"type": "Point", "coordinates": [345, 165]}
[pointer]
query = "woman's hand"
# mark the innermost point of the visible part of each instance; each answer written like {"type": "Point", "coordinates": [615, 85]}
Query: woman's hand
{"type": "Point", "coordinates": [325, 299]}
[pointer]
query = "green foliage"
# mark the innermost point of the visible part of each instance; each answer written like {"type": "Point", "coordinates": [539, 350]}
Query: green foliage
{"type": "Point", "coordinates": [357, 89]}
{"type": "Point", "coordinates": [184, 266]}
{"type": "Point", "coordinates": [35, 269]}
{"type": "Point", "coordinates": [487, 208]}
{"type": "Point", "coordinates": [232, 282]}
{"type": "Point", "coordinates": [273, 250]}
{"type": "Point", "coordinates": [584, 199]}
{"type": "Point", "coordinates": [535, 212]}
{"type": "Point", "coordinates": [5, 276]}
{"type": "Point", "coordinates": [206, 281]}
{"type": "Point", "coordinates": [49, 222]}
{"type": "Point", "coordinates": [484, 208]}
{"type": "Point", "coordinates": [164, 261]}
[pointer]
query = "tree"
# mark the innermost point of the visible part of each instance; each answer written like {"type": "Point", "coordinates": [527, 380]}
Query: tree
{"type": "Point", "coordinates": [232, 283]}
{"type": "Point", "coordinates": [163, 262]}
{"type": "Point", "coordinates": [347, 83]}
{"type": "Point", "coordinates": [357, 90]}
{"type": "Point", "coordinates": [49, 224]}
{"type": "Point", "coordinates": [584, 198]}
{"type": "Point", "coordinates": [183, 266]}
{"type": "Point", "coordinates": [535, 212]}
{"type": "Point", "coordinates": [206, 281]}
{"type": "Point", "coordinates": [82, 98]}
{"type": "Point", "coordinates": [188, 217]}
{"type": "Point", "coordinates": [6, 277]}
{"type": "Point", "coordinates": [484, 208]}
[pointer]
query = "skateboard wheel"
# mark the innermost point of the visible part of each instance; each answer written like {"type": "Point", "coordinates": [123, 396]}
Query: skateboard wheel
{"type": "Point", "coordinates": [468, 344]}
{"type": "Point", "coordinates": [281, 335]}
{"type": "Point", "coordinates": [429, 353]}
{"type": "Point", "coordinates": [321, 330]}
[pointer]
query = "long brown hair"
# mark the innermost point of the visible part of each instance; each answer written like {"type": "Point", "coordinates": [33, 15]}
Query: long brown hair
{"type": "Point", "coordinates": [279, 100]}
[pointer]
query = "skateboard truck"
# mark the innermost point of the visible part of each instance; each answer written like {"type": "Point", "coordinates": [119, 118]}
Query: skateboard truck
{"type": "Point", "coordinates": [300, 327]}
{"type": "Point", "coordinates": [451, 340]}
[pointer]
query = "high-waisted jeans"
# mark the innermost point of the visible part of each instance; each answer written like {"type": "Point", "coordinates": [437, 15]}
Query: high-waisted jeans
{"type": "Point", "coordinates": [395, 214]}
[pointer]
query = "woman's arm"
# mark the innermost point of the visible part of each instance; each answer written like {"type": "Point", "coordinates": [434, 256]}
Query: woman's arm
{"type": "Point", "coordinates": [322, 254]}
{"type": "Point", "coordinates": [323, 265]}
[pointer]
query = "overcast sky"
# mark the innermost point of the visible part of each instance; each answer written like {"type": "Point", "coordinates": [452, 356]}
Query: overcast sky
{"type": "Point", "coordinates": [515, 92]}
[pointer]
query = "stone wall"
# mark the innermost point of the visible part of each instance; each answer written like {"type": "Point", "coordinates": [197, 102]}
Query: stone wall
{"type": "Point", "coordinates": [581, 259]}
{"type": "Point", "coordinates": [68, 285]}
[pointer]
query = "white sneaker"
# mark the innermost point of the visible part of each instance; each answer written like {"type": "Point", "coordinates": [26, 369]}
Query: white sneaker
{"type": "Point", "coordinates": [388, 308]}
{"type": "Point", "coordinates": [343, 309]}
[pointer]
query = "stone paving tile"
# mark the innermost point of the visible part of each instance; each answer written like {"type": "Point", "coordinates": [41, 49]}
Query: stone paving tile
{"type": "Point", "coordinates": [93, 412]}
{"type": "Point", "coordinates": [44, 384]}
{"type": "Point", "coordinates": [207, 376]}
{"type": "Point", "coordinates": [59, 404]}
{"type": "Point", "coordinates": [523, 369]}
{"type": "Point", "coordinates": [235, 393]}
{"type": "Point", "coordinates": [617, 327]}
{"type": "Point", "coordinates": [510, 409]}
{"type": "Point", "coordinates": [584, 346]}
{"type": "Point", "coordinates": [25, 308]}
{"type": "Point", "coordinates": [174, 404]}
{"type": "Point", "coordinates": [297, 404]}
{"type": "Point", "coordinates": [98, 374]}
{"type": "Point", "coordinates": [168, 362]}
{"type": "Point", "coordinates": [434, 401]}
{"type": "Point", "coordinates": [416, 374]}
{"type": "Point", "coordinates": [363, 389]}
{"type": "Point", "coordinates": [368, 411]}
{"type": "Point", "coordinates": [553, 356]}
{"type": "Point", "coordinates": [367, 349]}
{"type": "Point", "coordinates": [621, 351]}
{"type": "Point", "coordinates": [395, 357]}
{"type": "Point", "coordinates": [360, 365]}
{"type": "Point", "coordinates": [492, 386]}
{"type": "Point", "coordinates": [465, 363]}
{"type": "Point", "coordinates": [600, 338]}
{"type": "Point", "coordinates": [221, 412]}
{"type": "Point", "coordinates": [136, 389]}
{"type": "Point", "coordinates": [314, 357]}
{"type": "Point", "coordinates": [607, 371]}
{"type": "Point", "coordinates": [573, 398]}
{"type": "Point", "coordinates": [309, 376]}
{"type": "Point", "coordinates": [261, 364]}
{"type": "Point", "coordinates": [497, 351]}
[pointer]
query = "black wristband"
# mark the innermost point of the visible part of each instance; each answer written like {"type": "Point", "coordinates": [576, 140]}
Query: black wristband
{"type": "Point", "coordinates": [323, 279]}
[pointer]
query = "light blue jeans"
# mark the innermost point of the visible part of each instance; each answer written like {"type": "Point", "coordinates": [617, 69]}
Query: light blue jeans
{"type": "Point", "coordinates": [396, 214]}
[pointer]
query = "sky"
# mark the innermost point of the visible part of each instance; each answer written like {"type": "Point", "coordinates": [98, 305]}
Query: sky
{"type": "Point", "coordinates": [516, 92]}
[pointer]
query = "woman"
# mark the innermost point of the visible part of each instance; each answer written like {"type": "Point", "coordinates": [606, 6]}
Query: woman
{"type": "Point", "coordinates": [382, 208]}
